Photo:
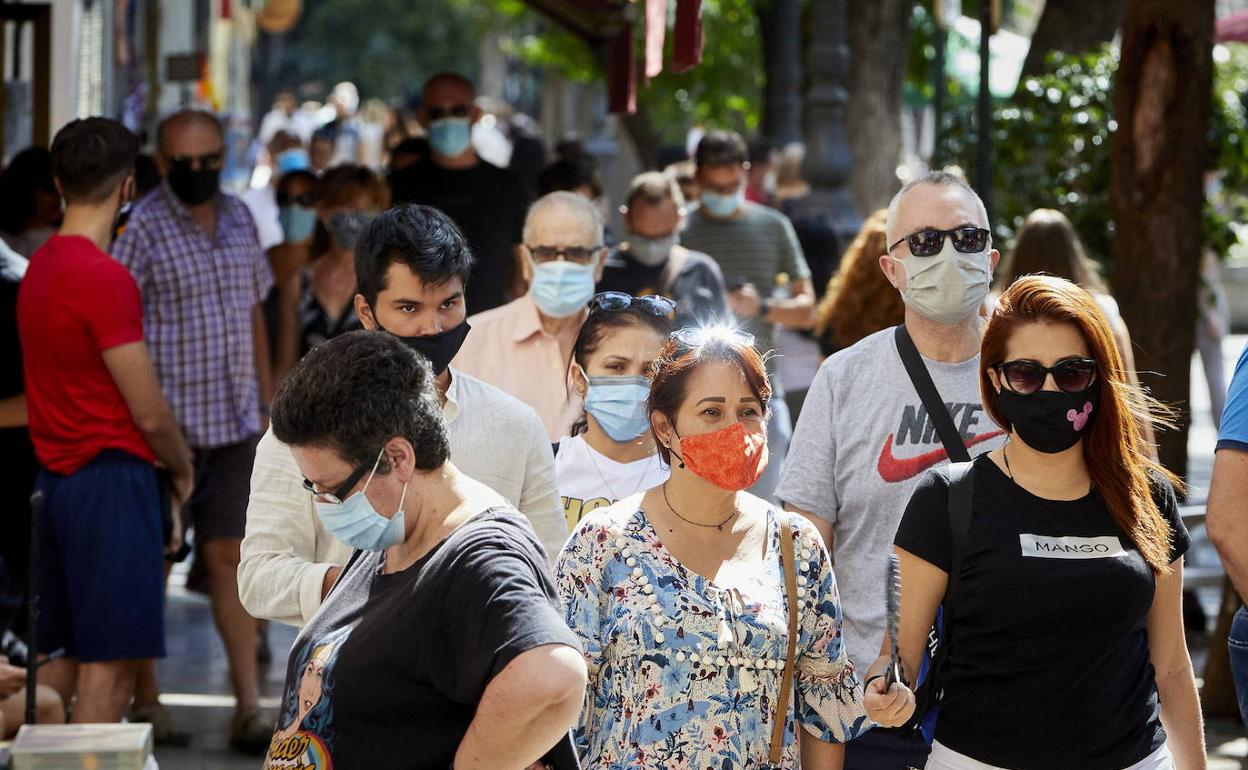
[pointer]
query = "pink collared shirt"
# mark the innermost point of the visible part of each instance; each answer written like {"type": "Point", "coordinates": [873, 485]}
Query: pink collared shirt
{"type": "Point", "coordinates": [509, 349]}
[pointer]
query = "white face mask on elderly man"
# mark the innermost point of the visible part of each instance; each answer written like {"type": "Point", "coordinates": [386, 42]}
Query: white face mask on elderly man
{"type": "Point", "coordinates": [947, 287]}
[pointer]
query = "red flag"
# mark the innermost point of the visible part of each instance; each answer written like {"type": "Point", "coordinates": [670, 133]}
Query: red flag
{"type": "Point", "coordinates": [687, 50]}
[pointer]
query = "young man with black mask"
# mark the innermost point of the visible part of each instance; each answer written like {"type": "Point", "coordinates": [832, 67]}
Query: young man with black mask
{"type": "Point", "coordinates": [412, 264]}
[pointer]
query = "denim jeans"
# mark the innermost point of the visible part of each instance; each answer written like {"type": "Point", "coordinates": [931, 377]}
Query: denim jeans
{"type": "Point", "coordinates": [885, 750]}
{"type": "Point", "coordinates": [1238, 644]}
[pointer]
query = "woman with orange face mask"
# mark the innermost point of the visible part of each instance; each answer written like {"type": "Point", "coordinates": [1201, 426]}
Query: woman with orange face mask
{"type": "Point", "coordinates": [702, 608]}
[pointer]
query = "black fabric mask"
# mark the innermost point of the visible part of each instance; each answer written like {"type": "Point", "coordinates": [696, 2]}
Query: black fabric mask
{"type": "Point", "coordinates": [438, 348]}
{"type": "Point", "coordinates": [1050, 421]}
{"type": "Point", "coordinates": [345, 227]}
{"type": "Point", "coordinates": [194, 186]}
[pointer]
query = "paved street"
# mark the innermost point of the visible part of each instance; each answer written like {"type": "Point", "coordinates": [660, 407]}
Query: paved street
{"type": "Point", "coordinates": [196, 686]}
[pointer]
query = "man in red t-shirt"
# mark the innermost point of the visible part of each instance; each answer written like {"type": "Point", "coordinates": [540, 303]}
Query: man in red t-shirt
{"type": "Point", "coordinates": [99, 423]}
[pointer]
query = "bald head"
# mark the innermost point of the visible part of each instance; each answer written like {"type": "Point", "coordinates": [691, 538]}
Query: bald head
{"type": "Point", "coordinates": [174, 129]}
{"type": "Point", "coordinates": [452, 83]}
{"type": "Point", "coordinates": [934, 200]}
{"type": "Point", "coordinates": [563, 219]}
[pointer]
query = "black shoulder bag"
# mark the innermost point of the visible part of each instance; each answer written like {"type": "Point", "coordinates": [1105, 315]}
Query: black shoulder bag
{"type": "Point", "coordinates": [961, 493]}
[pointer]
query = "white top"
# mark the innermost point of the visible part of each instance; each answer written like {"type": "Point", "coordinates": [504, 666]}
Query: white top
{"type": "Point", "coordinates": [589, 479]}
{"type": "Point", "coordinates": [262, 203]}
{"type": "Point", "coordinates": [286, 552]}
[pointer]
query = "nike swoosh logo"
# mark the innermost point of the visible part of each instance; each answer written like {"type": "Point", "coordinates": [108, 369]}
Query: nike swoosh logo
{"type": "Point", "coordinates": [893, 469]}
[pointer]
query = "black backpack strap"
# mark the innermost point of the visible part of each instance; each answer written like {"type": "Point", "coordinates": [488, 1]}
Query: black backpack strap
{"type": "Point", "coordinates": [936, 409]}
{"type": "Point", "coordinates": [961, 494]}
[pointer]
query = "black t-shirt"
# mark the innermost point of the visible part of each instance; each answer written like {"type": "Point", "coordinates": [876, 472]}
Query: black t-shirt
{"type": "Point", "coordinates": [698, 289]}
{"type": "Point", "coordinates": [390, 671]}
{"type": "Point", "coordinates": [1049, 664]}
{"type": "Point", "coordinates": [20, 465]}
{"type": "Point", "coordinates": [489, 204]}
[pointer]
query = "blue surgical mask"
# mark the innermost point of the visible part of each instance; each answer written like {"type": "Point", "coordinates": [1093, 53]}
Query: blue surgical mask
{"type": "Point", "coordinates": [297, 222]}
{"type": "Point", "coordinates": [449, 137]}
{"type": "Point", "coordinates": [723, 206]}
{"type": "Point", "coordinates": [563, 288]}
{"type": "Point", "coordinates": [355, 522]}
{"type": "Point", "coordinates": [294, 159]}
{"type": "Point", "coordinates": [618, 405]}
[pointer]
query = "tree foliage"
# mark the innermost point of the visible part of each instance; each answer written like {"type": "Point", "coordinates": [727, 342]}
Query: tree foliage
{"type": "Point", "coordinates": [386, 47]}
{"type": "Point", "coordinates": [1051, 147]}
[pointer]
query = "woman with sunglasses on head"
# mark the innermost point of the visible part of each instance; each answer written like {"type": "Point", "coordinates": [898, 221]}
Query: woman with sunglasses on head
{"type": "Point", "coordinates": [1067, 645]}
{"type": "Point", "coordinates": [611, 454]}
{"type": "Point", "coordinates": [684, 597]}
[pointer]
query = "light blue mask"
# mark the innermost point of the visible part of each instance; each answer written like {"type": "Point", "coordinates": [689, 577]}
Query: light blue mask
{"type": "Point", "coordinates": [355, 522]}
{"type": "Point", "coordinates": [618, 405]}
{"type": "Point", "coordinates": [294, 159]}
{"type": "Point", "coordinates": [723, 206]}
{"type": "Point", "coordinates": [449, 137]}
{"type": "Point", "coordinates": [297, 222]}
{"type": "Point", "coordinates": [563, 288]}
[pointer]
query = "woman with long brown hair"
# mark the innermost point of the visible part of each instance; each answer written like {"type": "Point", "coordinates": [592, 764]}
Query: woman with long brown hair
{"type": "Point", "coordinates": [1067, 647]}
{"type": "Point", "coordinates": [859, 301]}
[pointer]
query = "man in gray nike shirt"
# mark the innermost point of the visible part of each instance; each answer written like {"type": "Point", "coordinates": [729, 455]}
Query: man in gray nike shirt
{"type": "Point", "coordinates": [864, 437]}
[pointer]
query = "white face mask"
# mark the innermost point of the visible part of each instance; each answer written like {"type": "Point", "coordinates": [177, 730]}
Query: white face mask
{"type": "Point", "coordinates": [946, 288]}
{"type": "Point", "coordinates": [651, 252]}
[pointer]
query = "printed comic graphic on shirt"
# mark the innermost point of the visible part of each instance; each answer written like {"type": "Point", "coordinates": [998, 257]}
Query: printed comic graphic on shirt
{"type": "Point", "coordinates": [303, 739]}
{"type": "Point", "coordinates": [915, 446]}
{"type": "Point", "coordinates": [574, 508]}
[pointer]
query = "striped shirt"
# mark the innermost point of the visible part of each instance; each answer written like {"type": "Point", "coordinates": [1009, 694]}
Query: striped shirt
{"type": "Point", "coordinates": [198, 295]}
{"type": "Point", "coordinates": [754, 247]}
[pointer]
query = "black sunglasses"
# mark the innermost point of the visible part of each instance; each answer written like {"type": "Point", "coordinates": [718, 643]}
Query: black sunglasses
{"type": "Point", "coordinates": [928, 243]}
{"type": "Point", "coordinates": [1024, 376]}
{"type": "Point", "coordinates": [307, 200]}
{"type": "Point", "coordinates": [210, 160]}
{"type": "Point", "coordinates": [458, 111]}
{"type": "Point", "coordinates": [338, 495]}
{"type": "Point", "coordinates": [616, 301]}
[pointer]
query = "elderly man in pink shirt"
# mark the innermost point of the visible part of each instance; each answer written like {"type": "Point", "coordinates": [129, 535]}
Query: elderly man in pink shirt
{"type": "Point", "coordinates": [524, 347]}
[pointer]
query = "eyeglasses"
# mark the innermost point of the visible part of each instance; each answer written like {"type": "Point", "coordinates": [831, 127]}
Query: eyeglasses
{"type": "Point", "coordinates": [1025, 376]}
{"type": "Point", "coordinates": [616, 301]}
{"type": "Point", "coordinates": [307, 200]}
{"type": "Point", "coordinates": [210, 160]}
{"type": "Point", "coordinates": [928, 243]}
{"type": "Point", "coordinates": [338, 495]}
{"type": "Point", "coordinates": [697, 336]}
{"type": "Point", "coordinates": [581, 255]}
{"type": "Point", "coordinates": [458, 111]}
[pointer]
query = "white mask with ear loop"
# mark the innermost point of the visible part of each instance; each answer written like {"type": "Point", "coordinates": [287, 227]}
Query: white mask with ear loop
{"type": "Point", "coordinates": [948, 287]}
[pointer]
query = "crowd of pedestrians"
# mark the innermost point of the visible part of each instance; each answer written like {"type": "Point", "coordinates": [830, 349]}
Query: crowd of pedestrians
{"type": "Point", "coordinates": [531, 490]}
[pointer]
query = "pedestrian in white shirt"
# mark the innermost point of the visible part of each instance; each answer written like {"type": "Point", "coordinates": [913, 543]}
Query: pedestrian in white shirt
{"type": "Point", "coordinates": [412, 264]}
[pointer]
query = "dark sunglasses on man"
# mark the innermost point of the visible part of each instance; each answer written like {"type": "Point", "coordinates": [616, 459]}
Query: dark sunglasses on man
{"type": "Point", "coordinates": [928, 243]}
{"type": "Point", "coordinates": [307, 200]}
{"type": "Point", "coordinates": [211, 160]}
{"type": "Point", "coordinates": [458, 111]}
{"type": "Point", "coordinates": [1024, 376]}
{"type": "Point", "coordinates": [580, 255]}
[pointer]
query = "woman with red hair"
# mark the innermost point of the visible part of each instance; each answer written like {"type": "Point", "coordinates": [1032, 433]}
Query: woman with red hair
{"type": "Point", "coordinates": [1066, 647]}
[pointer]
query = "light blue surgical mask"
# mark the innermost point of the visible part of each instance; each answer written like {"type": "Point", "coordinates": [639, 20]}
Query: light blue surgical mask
{"type": "Point", "coordinates": [723, 206]}
{"type": "Point", "coordinates": [563, 288]}
{"type": "Point", "coordinates": [355, 522]}
{"type": "Point", "coordinates": [618, 405]}
{"type": "Point", "coordinates": [449, 137]}
{"type": "Point", "coordinates": [294, 159]}
{"type": "Point", "coordinates": [297, 222]}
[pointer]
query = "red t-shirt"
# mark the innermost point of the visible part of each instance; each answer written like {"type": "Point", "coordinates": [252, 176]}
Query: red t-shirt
{"type": "Point", "coordinates": [74, 303]}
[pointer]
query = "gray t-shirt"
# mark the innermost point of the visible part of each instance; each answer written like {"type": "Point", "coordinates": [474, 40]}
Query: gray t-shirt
{"type": "Point", "coordinates": [754, 247]}
{"type": "Point", "coordinates": [859, 448]}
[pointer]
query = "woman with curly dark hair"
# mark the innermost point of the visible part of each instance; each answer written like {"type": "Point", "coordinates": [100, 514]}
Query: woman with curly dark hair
{"type": "Point", "coordinates": [859, 301]}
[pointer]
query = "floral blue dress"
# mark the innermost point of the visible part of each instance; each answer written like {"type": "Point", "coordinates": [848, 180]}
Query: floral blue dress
{"type": "Point", "coordinates": [684, 674]}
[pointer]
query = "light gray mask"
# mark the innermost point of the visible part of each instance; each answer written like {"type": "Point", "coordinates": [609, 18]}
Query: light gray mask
{"type": "Point", "coordinates": [946, 288]}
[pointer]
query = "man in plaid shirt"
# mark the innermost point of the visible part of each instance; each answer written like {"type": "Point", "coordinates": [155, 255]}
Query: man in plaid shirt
{"type": "Point", "coordinates": [196, 257]}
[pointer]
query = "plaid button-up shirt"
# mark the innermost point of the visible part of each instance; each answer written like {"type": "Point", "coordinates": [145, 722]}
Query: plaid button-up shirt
{"type": "Point", "coordinates": [198, 295]}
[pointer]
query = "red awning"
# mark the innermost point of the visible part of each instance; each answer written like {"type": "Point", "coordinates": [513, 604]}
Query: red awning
{"type": "Point", "coordinates": [1232, 29]}
{"type": "Point", "coordinates": [608, 25]}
